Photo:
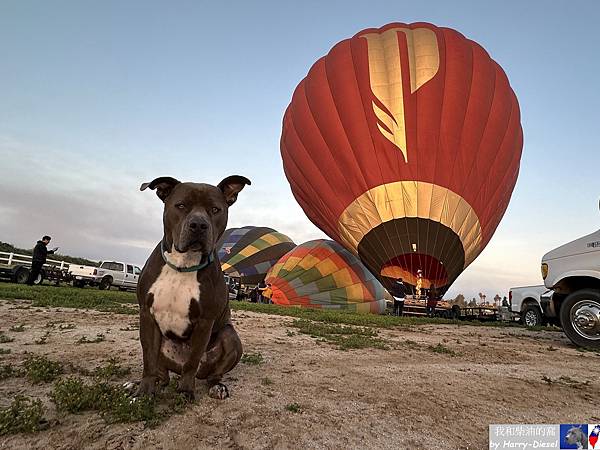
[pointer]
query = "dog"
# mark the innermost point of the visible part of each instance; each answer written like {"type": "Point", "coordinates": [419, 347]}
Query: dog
{"type": "Point", "coordinates": [185, 320]}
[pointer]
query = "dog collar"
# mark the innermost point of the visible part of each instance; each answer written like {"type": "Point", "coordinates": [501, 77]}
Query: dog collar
{"type": "Point", "coordinates": [196, 268]}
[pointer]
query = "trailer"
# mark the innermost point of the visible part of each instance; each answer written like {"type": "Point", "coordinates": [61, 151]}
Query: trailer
{"type": "Point", "coordinates": [15, 267]}
{"type": "Point", "coordinates": [416, 306]}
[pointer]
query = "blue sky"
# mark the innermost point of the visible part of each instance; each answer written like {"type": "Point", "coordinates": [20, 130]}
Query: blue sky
{"type": "Point", "coordinates": [97, 97]}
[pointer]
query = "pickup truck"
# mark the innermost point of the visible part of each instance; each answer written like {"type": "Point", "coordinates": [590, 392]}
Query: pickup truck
{"type": "Point", "coordinates": [113, 273]}
{"type": "Point", "coordinates": [82, 275]}
{"type": "Point", "coordinates": [526, 302]}
{"type": "Point", "coordinates": [572, 271]}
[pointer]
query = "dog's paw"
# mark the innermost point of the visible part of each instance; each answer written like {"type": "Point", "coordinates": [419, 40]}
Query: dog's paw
{"type": "Point", "coordinates": [218, 391]}
{"type": "Point", "coordinates": [186, 389]}
{"type": "Point", "coordinates": [147, 387]}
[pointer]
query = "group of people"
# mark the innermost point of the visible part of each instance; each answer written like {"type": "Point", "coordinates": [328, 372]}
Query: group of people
{"type": "Point", "coordinates": [398, 291]}
{"type": "Point", "coordinates": [262, 293]}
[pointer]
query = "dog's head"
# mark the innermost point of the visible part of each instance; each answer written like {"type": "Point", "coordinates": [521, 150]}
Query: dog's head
{"type": "Point", "coordinates": [195, 214]}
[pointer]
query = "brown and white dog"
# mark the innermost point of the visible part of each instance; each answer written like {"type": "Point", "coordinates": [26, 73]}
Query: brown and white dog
{"type": "Point", "coordinates": [185, 323]}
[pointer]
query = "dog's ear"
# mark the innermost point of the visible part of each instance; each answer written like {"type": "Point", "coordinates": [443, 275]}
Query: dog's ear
{"type": "Point", "coordinates": [163, 186]}
{"type": "Point", "coordinates": [231, 186]}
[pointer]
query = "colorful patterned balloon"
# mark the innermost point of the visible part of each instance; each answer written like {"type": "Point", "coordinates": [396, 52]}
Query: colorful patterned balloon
{"type": "Point", "coordinates": [323, 274]}
{"type": "Point", "coordinates": [249, 252]}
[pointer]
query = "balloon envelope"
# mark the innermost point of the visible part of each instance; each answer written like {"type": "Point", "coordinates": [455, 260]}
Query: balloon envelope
{"type": "Point", "coordinates": [249, 252]}
{"type": "Point", "coordinates": [323, 274]}
{"type": "Point", "coordinates": [403, 144]}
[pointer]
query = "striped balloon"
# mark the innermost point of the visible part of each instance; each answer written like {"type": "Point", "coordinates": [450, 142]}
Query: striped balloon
{"type": "Point", "coordinates": [250, 252]}
{"type": "Point", "coordinates": [323, 274]}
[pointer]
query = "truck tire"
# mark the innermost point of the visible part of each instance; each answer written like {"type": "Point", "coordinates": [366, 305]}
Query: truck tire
{"type": "Point", "coordinates": [580, 317]}
{"type": "Point", "coordinates": [531, 316]}
{"type": "Point", "coordinates": [105, 283]}
{"type": "Point", "coordinates": [78, 283]}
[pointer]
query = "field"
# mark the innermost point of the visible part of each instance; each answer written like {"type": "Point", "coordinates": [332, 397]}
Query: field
{"type": "Point", "coordinates": [308, 379]}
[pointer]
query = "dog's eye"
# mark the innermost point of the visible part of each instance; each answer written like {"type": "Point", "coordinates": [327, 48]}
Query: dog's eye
{"type": "Point", "coordinates": [180, 206]}
{"type": "Point", "coordinates": [215, 210]}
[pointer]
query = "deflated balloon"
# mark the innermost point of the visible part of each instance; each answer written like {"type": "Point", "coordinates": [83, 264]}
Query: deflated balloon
{"type": "Point", "coordinates": [323, 274]}
{"type": "Point", "coordinates": [403, 144]}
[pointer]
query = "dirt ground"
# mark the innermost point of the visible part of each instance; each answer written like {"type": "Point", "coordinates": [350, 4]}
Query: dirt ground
{"type": "Point", "coordinates": [406, 397]}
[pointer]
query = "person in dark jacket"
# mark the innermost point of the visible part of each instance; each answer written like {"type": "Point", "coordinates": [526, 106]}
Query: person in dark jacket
{"type": "Point", "coordinates": [432, 300]}
{"type": "Point", "coordinates": [39, 258]}
{"type": "Point", "coordinates": [399, 293]}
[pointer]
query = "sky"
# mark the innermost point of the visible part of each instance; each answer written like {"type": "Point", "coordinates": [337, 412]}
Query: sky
{"type": "Point", "coordinates": [98, 97]}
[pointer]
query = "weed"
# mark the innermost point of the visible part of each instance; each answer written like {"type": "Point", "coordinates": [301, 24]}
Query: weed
{"type": "Point", "coordinates": [346, 337]}
{"type": "Point", "coordinates": [4, 339]}
{"type": "Point", "coordinates": [67, 326]}
{"type": "Point", "coordinates": [266, 381]}
{"type": "Point", "coordinates": [24, 415]}
{"type": "Point", "coordinates": [4, 351]}
{"type": "Point", "coordinates": [293, 407]}
{"type": "Point", "coordinates": [111, 370]}
{"type": "Point", "coordinates": [441, 348]}
{"type": "Point", "coordinates": [43, 339]}
{"type": "Point", "coordinates": [40, 369]}
{"type": "Point", "coordinates": [85, 340]}
{"type": "Point", "coordinates": [551, 348]}
{"type": "Point", "coordinates": [8, 371]}
{"type": "Point", "coordinates": [252, 359]}
{"type": "Point", "coordinates": [114, 402]}
{"type": "Point", "coordinates": [17, 328]}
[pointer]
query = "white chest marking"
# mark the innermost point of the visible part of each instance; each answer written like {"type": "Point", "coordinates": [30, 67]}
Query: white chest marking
{"type": "Point", "coordinates": [173, 292]}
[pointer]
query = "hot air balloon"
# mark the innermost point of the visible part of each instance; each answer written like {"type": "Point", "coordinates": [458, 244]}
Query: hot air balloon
{"type": "Point", "coordinates": [323, 274]}
{"type": "Point", "coordinates": [249, 252]}
{"type": "Point", "coordinates": [403, 144]}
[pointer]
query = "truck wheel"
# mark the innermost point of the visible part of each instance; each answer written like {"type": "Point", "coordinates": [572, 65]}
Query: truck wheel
{"type": "Point", "coordinates": [78, 283]}
{"type": "Point", "coordinates": [531, 316]}
{"type": "Point", "coordinates": [21, 275]}
{"type": "Point", "coordinates": [105, 283]}
{"type": "Point", "coordinates": [580, 317]}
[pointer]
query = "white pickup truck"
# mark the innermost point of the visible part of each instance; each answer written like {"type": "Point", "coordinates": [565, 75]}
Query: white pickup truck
{"type": "Point", "coordinates": [82, 275]}
{"type": "Point", "coordinates": [573, 272]}
{"type": "Point", "coordinates": [113, 273]}
{"type": "Point", "coordinates": [109, 273]}
{"type": "Point", "coordinates": [526, 302]}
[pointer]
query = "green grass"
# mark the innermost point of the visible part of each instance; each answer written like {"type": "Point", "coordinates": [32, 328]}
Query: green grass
{"type": "Point", "coordinates": [24, 415]}
{"type": "Point", "coordinates": [345, 337]}
{"type": "Point", "coordinates": [85, 340]}
{"type": "Point", "coordinates": [111, 370]}
{"type": "Point", "coordinates": [441, 348]}
{"type": "Point", "coordinates": [9, 371]}
{"type": "Point", "coordinates": [4, 339]}
{"type": "Point", "coordinates": [40, 369]}
{"type": "Point", "coordinates": [69, 297]}
{"type": "Point", "coordinates": [114, 403]}
{"type": "Point", "coordinates": [252, 359]}
{"type": "Point", "coordinates": [293, 407]}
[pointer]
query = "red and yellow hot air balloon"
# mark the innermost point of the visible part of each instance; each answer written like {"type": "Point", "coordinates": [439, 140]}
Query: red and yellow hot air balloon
{"type": "Point", "coordinates": [403, 144]}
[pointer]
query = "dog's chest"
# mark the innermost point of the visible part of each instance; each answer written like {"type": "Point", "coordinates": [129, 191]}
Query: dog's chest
{"type": "Point", "coordinates": [173, 292]}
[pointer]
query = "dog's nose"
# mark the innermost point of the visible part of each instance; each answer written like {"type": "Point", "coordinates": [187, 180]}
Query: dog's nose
{"type": "Point", "coordinates": [197, 225]}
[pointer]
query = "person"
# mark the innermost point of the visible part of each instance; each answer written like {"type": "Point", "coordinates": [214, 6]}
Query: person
{"type": "Point", "coordinates": [261, 289]}
{"type": "Point", "coordinates": [505, 303]}
{"type": "Point", "coordinates": [432, 301]}
{"type": "Point", "coordinates": [399, 293]}
{"type": "Point", "coordinates": [268, 293]}
{"type": "Point", "coordinates": [39, 258]}
{"type": "Point", "coordinates": [254, 295]}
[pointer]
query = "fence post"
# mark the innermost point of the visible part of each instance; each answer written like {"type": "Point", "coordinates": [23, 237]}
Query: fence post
{"type": "Point", "coordinates": [62, 265]}
{"type": "Point", "coordinates": [10, 258]}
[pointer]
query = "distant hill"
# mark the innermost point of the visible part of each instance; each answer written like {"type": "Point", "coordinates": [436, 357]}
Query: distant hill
{"type": "Point", "coordinates": [6, 247]}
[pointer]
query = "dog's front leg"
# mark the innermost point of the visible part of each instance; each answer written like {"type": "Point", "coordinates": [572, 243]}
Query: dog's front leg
{"type": "Point", "coordinates": [151, 338]}
{"type": "Point", "coordinates": [198, 343]}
